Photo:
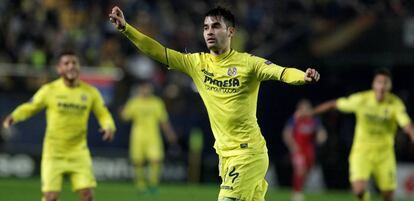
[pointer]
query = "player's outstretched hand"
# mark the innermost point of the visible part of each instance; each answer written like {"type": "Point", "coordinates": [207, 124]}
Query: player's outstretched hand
{"type": "Point", "coordinates": [311, 75]}
{"type": "Point", "coordinates": [107, 134]}
{"type": "Point", "coordinates": [117, 18]}
{"type": "Point", "coordinates": [8, 121]}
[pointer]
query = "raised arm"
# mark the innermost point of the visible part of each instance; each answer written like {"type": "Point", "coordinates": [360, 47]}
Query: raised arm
{"type": "Point", "coordinates": [324, 107]}
{"type": "Point", "coordinates": [152, 48]}
{"type": "Point", "coordinates": [147, 45]}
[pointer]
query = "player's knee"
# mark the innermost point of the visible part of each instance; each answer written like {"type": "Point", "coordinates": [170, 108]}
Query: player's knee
{"type": "Point", "coordinates": [51, 196]}
{"type": "Point", "coordinates": [359, 193]}
{"type": "Point", "coordinates": [86, 195]}
{"type": "Point", "coordinates": [388, 195]}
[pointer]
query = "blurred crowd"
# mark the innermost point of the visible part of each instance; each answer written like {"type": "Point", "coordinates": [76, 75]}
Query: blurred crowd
{"type": "Point", "coordinates": [34, 31]}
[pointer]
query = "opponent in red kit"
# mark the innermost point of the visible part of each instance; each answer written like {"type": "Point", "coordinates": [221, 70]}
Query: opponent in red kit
{"type": "Point", "coordinates": [300, 134]}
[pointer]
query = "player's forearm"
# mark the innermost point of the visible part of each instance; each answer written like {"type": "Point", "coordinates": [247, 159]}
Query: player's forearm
{"type": "Point", "coordinates": [293, 76]}
{"type": "Point", "coordinates": [146, 44]}
{"type": "Point", "coordinates": [288, 139]}
{"type": "Point", "coordinates": [324, 107]}
{"type": "Point", "coordinates": [105, 119]}
{"type": "Point", "coordinates": [409, 130]}
{"type": "Point", "coordinates": [169, 132]}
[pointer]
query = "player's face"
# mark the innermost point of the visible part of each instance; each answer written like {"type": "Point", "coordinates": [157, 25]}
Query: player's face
{"type": "Point", "coordinates": [69, 67]}
{"type": "Point", "coordinates": [381, 86]}
{"type": "Point", "coordinates": [146, 89]}
{"type": "Point", "coordinates": [305, 108]}
{"type": "Point", "coordinates": [216, 33]}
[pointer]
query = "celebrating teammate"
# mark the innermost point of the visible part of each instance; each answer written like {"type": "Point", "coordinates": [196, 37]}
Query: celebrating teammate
{"type": "Point", "coordinates": [68, 103]}
{"type": "Point", "coordinates": [378, 112]}
{"type": "Point", "coordinates": [147, 113]}
{"type": "Point", "coordinates": [228, 82]}
{"type": "Point", "coordinates": [300, 134]}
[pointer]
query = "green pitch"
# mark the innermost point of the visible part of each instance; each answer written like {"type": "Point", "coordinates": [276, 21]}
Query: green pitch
{"type": "Point", "coordinates": [28, 189]}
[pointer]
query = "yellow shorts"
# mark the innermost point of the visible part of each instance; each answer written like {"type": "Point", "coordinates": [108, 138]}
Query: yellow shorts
{"type": "Point", "coordinates": [79, 170]}
{"type": "Point", "coordinates": [243, 177]}
{"type": "Point", "coordinates": [378, 161]}
{"type": "Point", "coordinates": [142, 150]}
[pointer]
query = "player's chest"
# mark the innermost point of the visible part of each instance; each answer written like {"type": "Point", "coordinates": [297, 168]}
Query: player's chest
{"type": "Point", "coordinates": [223, 78]}
{"type": "Point", "coordinates": [377, 113]}
{"type": "Point", "coordinates": [73, 101]}
{"type": "Point", "coordinates": [305, 127]}
{"type": "Point", "coordinates": [145, 110]}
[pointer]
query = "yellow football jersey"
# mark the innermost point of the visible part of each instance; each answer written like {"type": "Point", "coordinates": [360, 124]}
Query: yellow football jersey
{"type": "Point", "coordinates": [146, 115]}
{"type": "Point", "coordinates": [229, 86]}
{"type": "Point", "coordinates": [376, 122]}
{"type": "Point", "coordinates": [67, 114]}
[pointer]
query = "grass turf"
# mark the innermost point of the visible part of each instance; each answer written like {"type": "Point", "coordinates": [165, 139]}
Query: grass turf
{"type": "Point", "coordinates": [28, 190]}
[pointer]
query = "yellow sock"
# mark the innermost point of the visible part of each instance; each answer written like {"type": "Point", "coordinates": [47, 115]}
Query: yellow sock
{"type": "Point", "coordinates": [154, 174]}
{"type": "Point", "coordinates": [367, 196]}
{"type": "Point", "coordinates": [140, 178]}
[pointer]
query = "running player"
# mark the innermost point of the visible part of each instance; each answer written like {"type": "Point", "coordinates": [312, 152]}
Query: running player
{"type": "Point", "coordinates": [68, 103]}
{"type": "Point", "coordinates": [377, 112]}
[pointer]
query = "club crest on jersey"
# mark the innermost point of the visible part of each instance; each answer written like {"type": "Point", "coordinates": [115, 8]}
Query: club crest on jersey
{"type": "Point", "coordinates": [84, 98]}
{"type": "Point", "coordinates": [232, 71]}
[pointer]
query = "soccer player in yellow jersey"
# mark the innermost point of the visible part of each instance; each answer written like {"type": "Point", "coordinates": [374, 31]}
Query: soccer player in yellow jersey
{"type": "Point", "coordinates": [147, 113]}
{"type": "Point", "coordinates": [378, 112]}
{"type": "Point", "coordinates": [68, 103]}
{"type": "Point", "coordinates": [228, 82]}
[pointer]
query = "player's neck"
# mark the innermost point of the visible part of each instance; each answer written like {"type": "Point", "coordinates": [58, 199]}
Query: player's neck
{"type": "Point", "coordinates": [71, 83]}
{"type": "Point", "coordinates": [380, 98]}
{"type": "Point", "coordinates": [219, 51]}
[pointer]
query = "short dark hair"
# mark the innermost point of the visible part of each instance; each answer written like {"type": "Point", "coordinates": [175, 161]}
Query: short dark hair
{"type": "Point", "coordinates": [66, 52]}
{"type": "Point", "coordinates": [383, 71]}
{"type": "Point", "coordinates": [223, 12]}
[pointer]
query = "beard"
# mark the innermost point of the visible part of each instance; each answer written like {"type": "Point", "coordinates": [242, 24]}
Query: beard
{"type": "Point", "coordinates": [70, 76]}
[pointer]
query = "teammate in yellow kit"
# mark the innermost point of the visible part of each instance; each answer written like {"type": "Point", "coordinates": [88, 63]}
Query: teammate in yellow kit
{"type": "Point", "coordinates": [228, 82]}
{"type": "Point", "coordinates": [147, 113]}
{"type": "Point", "coordinates": [378, 112]}
{"type": "Point", "coordinates": [68, 103]}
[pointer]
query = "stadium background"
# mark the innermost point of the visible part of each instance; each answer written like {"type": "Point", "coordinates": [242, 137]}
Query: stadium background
{"type": "Point", "coordinates": [344, 40]}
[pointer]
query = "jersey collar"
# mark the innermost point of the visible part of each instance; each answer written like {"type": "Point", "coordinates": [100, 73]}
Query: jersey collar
{"type": "Point", "coordinates": [222, 56]}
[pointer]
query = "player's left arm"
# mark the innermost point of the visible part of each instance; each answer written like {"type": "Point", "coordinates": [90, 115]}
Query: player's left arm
{"type": "Point", "coordinates": [266, 70]}
{"type": "Point", "coordinates": [166, 125]}
{"type": "Point", "coordinates": [321, 134]}
{"type": "Point", "coordinates": [409, 129]}
{"type": "Point", "coordinates": [404, 120]}
{"type": "Point", "coordinates": [104, 116]}
{"type": "Point", "coordinates": [169, 132]}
